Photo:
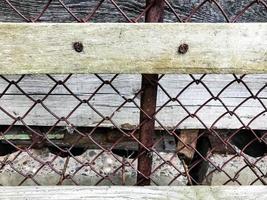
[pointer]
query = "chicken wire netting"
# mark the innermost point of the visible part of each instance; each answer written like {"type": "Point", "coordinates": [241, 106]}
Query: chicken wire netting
{"type": "Point", "coordinates": [122, 129]}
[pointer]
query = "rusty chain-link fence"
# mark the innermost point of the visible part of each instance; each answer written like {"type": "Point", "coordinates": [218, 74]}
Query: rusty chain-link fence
{"type": "Point", "coordinates": [121, 129]}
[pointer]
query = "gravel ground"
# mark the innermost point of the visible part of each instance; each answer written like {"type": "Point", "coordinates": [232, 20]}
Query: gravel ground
{"type": "Point", "coordinates": [107, 165]}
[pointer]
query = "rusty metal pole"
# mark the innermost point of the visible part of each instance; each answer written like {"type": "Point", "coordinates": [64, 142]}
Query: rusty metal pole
{"type": "Point", "coordinates": [148, 104]}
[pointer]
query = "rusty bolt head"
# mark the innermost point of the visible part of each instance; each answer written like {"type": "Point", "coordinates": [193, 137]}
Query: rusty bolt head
{"type": "Point", "coordinates": [78, 47]}
{"type": "Point", "coordinates": [183, 48]}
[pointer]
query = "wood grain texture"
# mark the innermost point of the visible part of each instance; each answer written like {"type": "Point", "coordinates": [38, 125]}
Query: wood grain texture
{"type": "Point", "coordinates": [126, 193]}
{"type": "Point", "coordinates": [108, 13]}
{"type": "Point", "coordinates": [106, 101]}
{"type": "Point", "coordinates": [133, 48]}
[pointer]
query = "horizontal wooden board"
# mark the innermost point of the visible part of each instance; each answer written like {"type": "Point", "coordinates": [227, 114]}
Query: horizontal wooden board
{"type": "Point", "coordinates": [55, 12]}
{"type": "Point", "coordinates": [127, 193]}
{"type": "Point", "coordinates": [133, 48]}
{"type": "Point", "coordinates": [107, 100]}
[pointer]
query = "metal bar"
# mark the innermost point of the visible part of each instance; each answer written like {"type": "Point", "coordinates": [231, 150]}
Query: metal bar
{"type": "Point", "coordinates": [148, 104]}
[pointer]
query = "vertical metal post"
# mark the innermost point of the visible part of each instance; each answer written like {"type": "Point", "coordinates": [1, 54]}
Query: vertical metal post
{"type": "Point", "coordinates": [148, 104]}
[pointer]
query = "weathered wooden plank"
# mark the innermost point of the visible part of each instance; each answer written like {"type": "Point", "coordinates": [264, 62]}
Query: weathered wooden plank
{"type": "Point", "coordinates": [61, 102]}
{"type": "Point", "coordinates": [133, 48]}
{"type": "Point", "coordinates": [108, 13]}
{"type": "Point", "coordinates": [125, 193]}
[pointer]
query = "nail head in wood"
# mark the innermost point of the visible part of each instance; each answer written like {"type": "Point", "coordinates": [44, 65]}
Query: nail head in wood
{"type": "Point", "coordinates": [183, 48]}
{"type": "Point", "coordinates": [78, 47]}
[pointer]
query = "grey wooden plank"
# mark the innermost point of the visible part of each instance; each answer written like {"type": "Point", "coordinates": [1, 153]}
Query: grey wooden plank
{"type": "Point", "coordinates": [108, 13]}
{"type": "Point", "coordinates": [107, 100]}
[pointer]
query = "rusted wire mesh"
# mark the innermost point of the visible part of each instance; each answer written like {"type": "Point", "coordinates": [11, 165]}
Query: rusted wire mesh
{"type": "Point", "coordinates": [149, 129]}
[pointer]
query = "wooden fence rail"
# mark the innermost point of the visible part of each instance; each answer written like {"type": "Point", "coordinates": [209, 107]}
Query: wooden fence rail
{"type": "Point", "coordinates": [133, 48]}
{"type": "Point", "coordinates": [132, 193]}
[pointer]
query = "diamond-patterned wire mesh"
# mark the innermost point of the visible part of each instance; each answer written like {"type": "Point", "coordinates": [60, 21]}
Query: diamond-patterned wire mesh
{"type": "Point", "coordinates": [209, 129]}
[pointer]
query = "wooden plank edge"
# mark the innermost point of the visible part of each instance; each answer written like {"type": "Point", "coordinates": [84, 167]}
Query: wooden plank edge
{"type": "Point", "coordinates": [127, 193]}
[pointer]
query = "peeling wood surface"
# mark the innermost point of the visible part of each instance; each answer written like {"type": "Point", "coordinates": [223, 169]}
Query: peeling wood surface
{"type": "Point", "coordinates": [133, 48]}
{"type": "Point", "coordinates": [125, 193]}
